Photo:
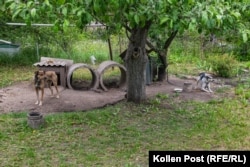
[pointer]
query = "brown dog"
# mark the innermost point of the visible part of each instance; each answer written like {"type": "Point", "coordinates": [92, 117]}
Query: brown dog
{"type": "Point", "coordinates": [42, 78]}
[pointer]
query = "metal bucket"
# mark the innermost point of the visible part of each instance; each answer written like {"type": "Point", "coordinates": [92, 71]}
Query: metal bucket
{"type": "Point", "coordinates": [35, 120]}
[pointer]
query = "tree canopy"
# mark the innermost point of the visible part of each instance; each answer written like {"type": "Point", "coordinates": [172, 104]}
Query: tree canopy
{"type": "Point", "coordinates": [171, 14]}
{"type": "Point", "coordinates": [147, 22]}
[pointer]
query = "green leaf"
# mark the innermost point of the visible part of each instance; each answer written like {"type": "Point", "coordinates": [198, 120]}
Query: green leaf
{"type": "Point", "coordinates": [65, 24]}
{"type": "Point", "coordinates": [33, 12]}
{"type": "Point", "coordinates": [219, 17]}
{"type": "Point", "coordinates": [60, 2]}
{"type": "Point", "coordinates": [171, 24]}
{"type": "Point", "coordinates": [163, 20]}
{"type": "Point", "coordinates": [244, 36]}
{"type": "Point", "coordinates": [29, 4]}
{"type": "Point", "coordinates": [28, 21]}
{"type": "Point", "coordinates": [191, 26]}
{"type": "Point", "coordinates": [230, 19]}
{"type": "Point", "coordinates": [130, 1]}
{"type": "Point", "coordinates": [12, 6]}
{"type": "Point", "coordinates": [79, 13]}
{"type": "Point", "coordinates": [170, 1]}
{"type": "Point", "coordinates": [47, 2]}
{"type": "Point", "coordinates": [97, 6]}
{"type": "Point", "coordinates": [16, 13]}
{"type": "Point", "coordinates": [137, 19]}
{"type": "Point", "coordinates": [143, 1]}
{"type": "Point", "coordinates": [204, 16]}
{"type": "Point", "coordinates": [64, 11]}
{"type": "Point", "coordinates": [236, 14]}
{"type": "Point", "coordinates": [88, 17]}
{"type": "Point", "coordinates": [190, 1]}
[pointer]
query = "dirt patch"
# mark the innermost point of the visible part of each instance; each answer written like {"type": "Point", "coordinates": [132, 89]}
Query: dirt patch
{"type": "Point", "coordinates": [21, 97]}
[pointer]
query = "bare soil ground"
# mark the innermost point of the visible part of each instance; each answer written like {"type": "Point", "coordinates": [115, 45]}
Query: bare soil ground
{"type": "Point", "coordinates": [22, 97]}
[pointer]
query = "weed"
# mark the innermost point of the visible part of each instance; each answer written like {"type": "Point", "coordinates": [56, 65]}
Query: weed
{"type": "Point", "coordinates": [155, 101]}
{"type": "Point", "coordinates": [248, 65]}
{"type": "Point", "coordinates": [239, 90]}
{"type": "Point", "coordinates": [224, 65]}
{"type": "Point", "coordinates": [223, 89]}
{"type": "Point", "coordinates": [162, 96]}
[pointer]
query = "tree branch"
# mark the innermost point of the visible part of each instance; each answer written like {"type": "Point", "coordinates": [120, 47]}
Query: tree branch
{"type": "Point", "coordinates": [152, 47]}
{"type": "Point", "coordinates": [170, 39]}
{"type": "Point", "coordinates": [127, 29]}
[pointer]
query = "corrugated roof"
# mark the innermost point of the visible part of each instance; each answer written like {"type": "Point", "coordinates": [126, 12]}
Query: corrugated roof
{"type": "Point", "coordinates": [50, 63]}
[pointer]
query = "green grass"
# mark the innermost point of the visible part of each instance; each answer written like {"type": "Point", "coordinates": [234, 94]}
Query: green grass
{"type": "Point", "coordinates": [82, 50]}
{"type": "Point", "coordinates": [14, 73]}
{"type": "Point", "coordinates": [122, 135]}
{"type": "Point", "coordinates": [82, 74]}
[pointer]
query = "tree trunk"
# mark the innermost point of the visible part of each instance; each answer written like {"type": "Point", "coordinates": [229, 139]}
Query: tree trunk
{"type": "Point", "coordinates": [162, 55]}
{"type": "Point", "coordinates": [136, 59]}
{"type": "Point", "coordinates": [162, 68]}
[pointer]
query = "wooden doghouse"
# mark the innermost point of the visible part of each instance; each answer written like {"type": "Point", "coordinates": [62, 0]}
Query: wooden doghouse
{"type": "Point", "coordinates": [60, 66]}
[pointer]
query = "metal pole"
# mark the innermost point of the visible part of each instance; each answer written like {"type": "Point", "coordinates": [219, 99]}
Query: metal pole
{"type": "Point", "coordinates": [37, 51]}
{"type": "Point", "coordinates": [51, 25]}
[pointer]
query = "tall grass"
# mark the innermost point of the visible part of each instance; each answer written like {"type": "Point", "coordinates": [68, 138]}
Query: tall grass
{"type": "Point", "coordinates": [16, 68]}
{"type": "Point", "coordinates": [188, 55]}
{"type": "Point", "coordinates": [80, 53]}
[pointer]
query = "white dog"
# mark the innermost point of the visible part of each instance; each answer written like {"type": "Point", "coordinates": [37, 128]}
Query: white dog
{"type": "Point", "coordinates": [205, 80]}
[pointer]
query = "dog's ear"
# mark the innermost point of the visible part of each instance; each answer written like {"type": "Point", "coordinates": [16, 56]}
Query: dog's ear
{"type": "Point", "coordinates": [36, 72]}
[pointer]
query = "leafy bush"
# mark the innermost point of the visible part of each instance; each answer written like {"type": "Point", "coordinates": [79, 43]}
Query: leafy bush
{"type": "Point", "coordinates": [242, 52]}
{"type": "Point", "coordinates": [248, 65]}
{"type": "Point", "coordinates": [25, 57]}
{"type": "Point", "coordinates": [224, 65]}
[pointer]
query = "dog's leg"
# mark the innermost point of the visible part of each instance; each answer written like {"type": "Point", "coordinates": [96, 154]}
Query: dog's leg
{"type": "Point", "coordinates": [198, 84]}
{"type": "Point", "coordinates": [54, 81]}
{"type": "Point", "coordinates": [51, 90]}
{"type": "Point", "coordinates": [205, 90]}
{"type": "Point", "coordinates": [41, 100]}
{"type": "Point", "coordinates": [55, 84]}
{"type": "Point", "coordinates": [37, 96]}
{"type": "Point", "coordinates": [57, 96]}
{"type": "Point", "coordinates": [209, 89]}
{"type": "Point", "coordinates": [203, 87]}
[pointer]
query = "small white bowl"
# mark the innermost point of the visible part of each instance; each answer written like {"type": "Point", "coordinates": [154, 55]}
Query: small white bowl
{"type": "Point", "coordinates": [178, 90]}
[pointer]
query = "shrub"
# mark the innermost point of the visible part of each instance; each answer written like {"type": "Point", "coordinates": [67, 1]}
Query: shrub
{"type": "Point", "coordinates": [224, 65]}
{"type": "Point", "coordinates": [242, 51]}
